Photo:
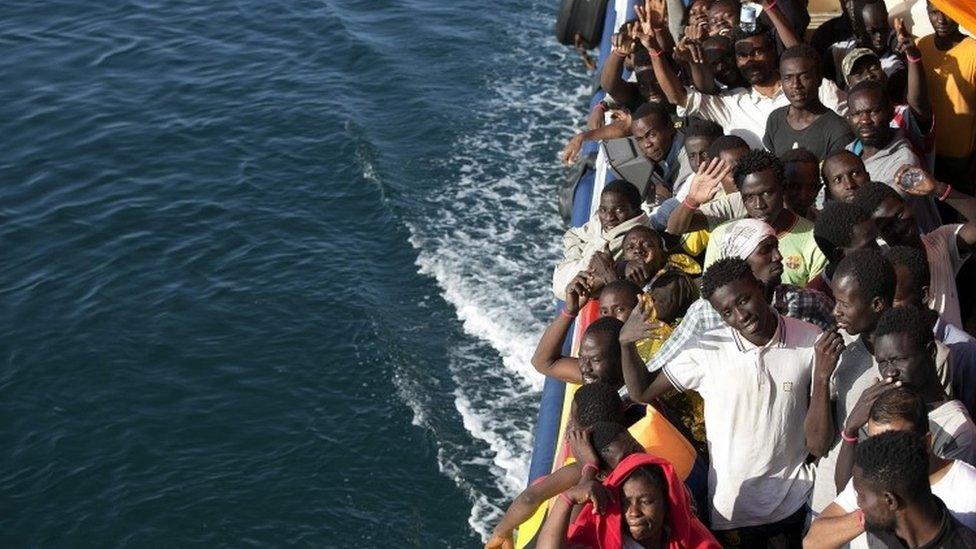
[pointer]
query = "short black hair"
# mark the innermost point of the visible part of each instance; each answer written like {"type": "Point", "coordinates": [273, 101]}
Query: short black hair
{"type": "Point", "coordinates": [870, 85]}
{"type": "Point", "coordinates": [792, 156]}
{"type": "Point", "coordinates": [649, 230]}
{"type": "Point", "coordinates": [603, 433]}
{"type": "Point", "coordinates": [901, 403]}
{"type": "Point", "coordinates": [730, 3]}
{"type": "Point", "coordinates": [610, 327]}
{"type": "Point", "coordinates": [652, 107]}
{"type": "Point", "coordinates": [622, 285]}
{"type": "Point", "coordinates": [897, 462]}
{"type": "Point", "coordinates": [870, 195]}
{"type": "Point", "coordinates": [834, 227]}
{"type": "Point", "coordinates": [800, 51]}
{"type": "Point", "coordinates": [724, 271]}
{"type": "Point", "coordinates": [757, 160]}
{"type": "Point", "coordinates": [914, 260]}
{"type": "Point", "coordinates": [726, 143]}
{"type": "Point", "coordinates": [698, 127]}
{"type": "Point", "coordinates": [597, 402]}
{"type": "Point", "coordinates": [625, 189]}
{"type": "Point", "coordinates": [873, 273]}
{"type": "Point", "coordinates": [908, 320]}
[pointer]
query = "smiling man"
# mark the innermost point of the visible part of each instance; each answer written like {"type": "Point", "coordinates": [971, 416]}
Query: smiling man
{"type": "Point", "coordinates": [761, 181]}
{"type": "Point", "coordinates": [754, 376]}
{"type": "Point", "coordinates": [662, 146]}
{"type": "Point", "coordinates": [805, 123]}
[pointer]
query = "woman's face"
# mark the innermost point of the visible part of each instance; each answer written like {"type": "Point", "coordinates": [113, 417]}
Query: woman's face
{"type": "Point", "coordinates": [644, 508]}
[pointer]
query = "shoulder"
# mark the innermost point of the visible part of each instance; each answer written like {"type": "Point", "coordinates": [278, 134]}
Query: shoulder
{"type": "Point", "coordinates": [942, 233]}
{"type": "Point", "coordinates": [800, 332]}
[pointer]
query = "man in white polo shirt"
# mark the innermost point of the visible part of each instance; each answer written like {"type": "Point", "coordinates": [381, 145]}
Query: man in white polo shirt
{"type": "Point", "coordinates": [754, 376]}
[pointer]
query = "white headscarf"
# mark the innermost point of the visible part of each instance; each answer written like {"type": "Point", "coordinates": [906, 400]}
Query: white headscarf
{"type": "Point", "coordinates": [742, 237]}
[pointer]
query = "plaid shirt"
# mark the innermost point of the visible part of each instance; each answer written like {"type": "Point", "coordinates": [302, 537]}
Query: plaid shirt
{"type": "Point", "coordinates": [809, 305]}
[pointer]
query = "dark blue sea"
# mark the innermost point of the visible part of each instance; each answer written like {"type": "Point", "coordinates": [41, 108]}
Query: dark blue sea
{"type": "Point", "coordinates": [272, 271]}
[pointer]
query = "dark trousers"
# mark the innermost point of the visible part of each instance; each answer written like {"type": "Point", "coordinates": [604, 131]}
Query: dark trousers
{"type": "Point", "coordinates": [784, 534]}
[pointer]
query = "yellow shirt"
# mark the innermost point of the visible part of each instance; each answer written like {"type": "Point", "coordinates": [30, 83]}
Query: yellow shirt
{"type": "Point", "coordinates": [951, 78]}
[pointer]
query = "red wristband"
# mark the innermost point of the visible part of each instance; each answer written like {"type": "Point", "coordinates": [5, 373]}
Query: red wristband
{"type": "Point", "coordinates": [860, 518]}
{"type": "Point", "coordinates": [590, 466]}
{"type": "Point", "coordinates": [945, 193]}
{"type": "Point", "coordinates": [655, 53]}
{"type": "Point", "coordinates": [771, 6]}
{"type": "Point", "coordinates": [688, 205]}
{"type": "Point", "coordinates": [617, 51]}
{"type": "Point", "coordinates": [566, 314]}
{"type": "Point", "coordinates": [566, 499]}
{"type": "Point", "coordinates": [912, 59]}
{"type": "Point", "coordinates": [844, 436]}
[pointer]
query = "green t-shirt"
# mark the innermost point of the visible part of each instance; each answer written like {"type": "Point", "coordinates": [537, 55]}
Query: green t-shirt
{"type": "Point", "coordinates": [802, 259]}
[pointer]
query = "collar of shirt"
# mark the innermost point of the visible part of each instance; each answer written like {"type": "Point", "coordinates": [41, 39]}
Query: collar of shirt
{"type": "Point", "coordinates": [757, 97]}
{"type": "Point", "coordinates": [777, 340]}
{"type": "Point", "coordinates": [670, 162]}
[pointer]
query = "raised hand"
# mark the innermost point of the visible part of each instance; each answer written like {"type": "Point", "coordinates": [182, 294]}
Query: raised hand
{"type": "Point", "coordinates": [926, 185]}
{"type": "Point", "coordinates": [904, 41]}
{"type": "Point", "coordinates": [583, 451]}
{"type": "Point", "coordinates": [601, 270]}
{"type": "Point", "coordinates": [592, 491]}
{"type": "Point", "coordinates": [657, 10]}
{"type": "Point", "coordinates": [706, 183]}
{"type": "Point", "coordinates": [859, 413]}
{"type": "Point", "coordinates": [637, 327]}
{"type": "Point", "coordinates": [578, 293]}
{"type": "Point", "coordinates": [827, 351]}
{"type": "Point", "coordinates": [623, 42]}
{"type": "Point", "coordinates": [644, 29]}
{"type": "Point", "coordinates": [621, 115]}
{"type": "Point", "coordinates": [572, 149]}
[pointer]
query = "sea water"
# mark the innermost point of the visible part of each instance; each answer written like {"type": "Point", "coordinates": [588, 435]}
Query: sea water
{"type": "Point", "coordinates": [273, 271]}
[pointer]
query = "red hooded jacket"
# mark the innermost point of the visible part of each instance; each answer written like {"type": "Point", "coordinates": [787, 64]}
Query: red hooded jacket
{"type": "Point", "coordinates": [605, 531]}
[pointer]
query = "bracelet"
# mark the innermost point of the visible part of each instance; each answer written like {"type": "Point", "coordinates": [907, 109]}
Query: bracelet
{"type": "Point", "coordinates": [600, 105]}
{"type": "Point", "coordinates": [688, 205]}
{"type": "Point", "coordinates": [860, 518]}
{"type": "Point", "coordinates": [590, 466]}
{"type": "Point", "coordinates": [655, 53]}
{"type": "Point", "coordinates": [945, 194]}
{"type": "Point", "coordinates": [566, 499]}
{"type": "Point", "coordinates": [566, 314]}
{"type": "Point", "coordinates": [912, 59]}
{"type": "Point", "coordinates": [844, 436]}
{"type": "Point", "coordinates": [772, 5]}
{"type": "Point", "coordinates": [617, 52]}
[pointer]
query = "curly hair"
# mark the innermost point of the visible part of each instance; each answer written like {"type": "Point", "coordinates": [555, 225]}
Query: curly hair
{"type": "Point", "coordinates": [725, 271]}
{"type": "Point", "coordinates": [699, 127]}
{"type": "Point", "coordinates": [897, 462]}
{"type": "Point", "coordinates": [604, 433]}
{"type": "Point", "coordinates": [757, 160]}
{"type": "Point", "coordinates": [872, 194]}
{"type": "Point", "coordinates": [908, 320]}
{"type": "Point", "coordinates": [597, 402]}
{"type": "Point", "coordinates": [874, 275]}
{"type": "Point", "coordinates": [626, 189]}
{"type": "Point", "coordinates": [834, 227]}
{"type": "Point", "coordinates": [901, 403]}
{"type": "Point", "coordinates": [915, 261]}
{"type": "Point", "coordinates": [726, 143]}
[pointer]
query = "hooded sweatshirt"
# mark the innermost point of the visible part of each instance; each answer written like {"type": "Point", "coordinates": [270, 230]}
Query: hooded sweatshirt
{"type": "Point", "coordinates": [581, 243]}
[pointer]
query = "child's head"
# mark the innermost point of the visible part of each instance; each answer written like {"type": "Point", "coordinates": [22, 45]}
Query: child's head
{"type": "Point", "coordinates": [599, 354]}
{"type": "Point", "coordinates": [596, 402]}
{"type": "Point", "coordinates": [644, 503]}
{"type": "Point", "coordinates": [618, 299]}
{"type": "Point", "coordinates": [673, 292]}
{"type": "Point", "coordinates": [613, 443]}
{"type": "Point", "coordinates": [619, 201]}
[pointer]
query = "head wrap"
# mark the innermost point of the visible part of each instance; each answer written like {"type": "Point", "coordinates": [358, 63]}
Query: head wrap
{"type": "Point", "coordinates": [742, 237]}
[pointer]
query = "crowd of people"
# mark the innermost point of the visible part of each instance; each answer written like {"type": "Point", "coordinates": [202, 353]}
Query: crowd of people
{"type": "Point", "coordinates": [786, 290]}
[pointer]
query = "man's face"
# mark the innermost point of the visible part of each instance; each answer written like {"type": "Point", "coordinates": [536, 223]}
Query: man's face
{"type": "Point", "coordinates": [801, 81]}
{"type": "Point", "coordinates": [855, 312]}
{"type": "Point", "coordinates": [802, 186]}
{"type": "Point", "coordinates": [654, 136]}
{"type": "Point", "coordinates": [944, 27]}
{"type": "Point", "coordinates": [642, 245]}
{"type": "Point", "coordinates": [876, 30]}
{"type": "Point", "coordinates": [878, 516]}
{"type": "Point", "coordinates": [896, 223]}
{"type": "Point", "coordinates": [722, 18]}
{"type": "Point", "coordinates": [743, 306]}
{"type": "Point", "coordinates": [766, 262]}
{"type": "Point", "coordinates": [867, 68]}
{"type": "Point", "coordinates": [908, 291]}
{"type": "Point", "coordinates": [717, 52]}
{"type": "Point", "coordinates": [697, 150]}
{"type": "Point", "coordinates": [756, 59]}
{"type": "Point", "coordinates": [868, 116]}
{"type": "Point", "coordinates": [617, 304]}
{"type": "Point", "coordinates": [900, 359]}
{"type": "Point", "coordinates": [597, 362]}
{"type": "Point", "coordinates": [614, 209]}
{"type": "Point", "coordinates": [762, 195]}
{"type": "Point", "coordinates": [844, 174]}
{"type": "Point", "coordinates": [647, 85]}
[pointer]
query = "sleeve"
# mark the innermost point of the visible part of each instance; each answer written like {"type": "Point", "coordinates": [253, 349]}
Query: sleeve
{"type": "Point", "coordinates": [767, 139]}
{"type": "Point", "coordinates": [847, 499]}
{"type": "Point", "coordinates": [723, 209]}
{"type": "Point", "coordinates": [686, 371]}
{"type": "Point", "coordinates": [709, 107]}
{"type": "Point", "coordinates": [833, 97]}
{"type": "Point", "coordinates": [688, 330]}
{"type": "Point", "coordinates": [818, 261]}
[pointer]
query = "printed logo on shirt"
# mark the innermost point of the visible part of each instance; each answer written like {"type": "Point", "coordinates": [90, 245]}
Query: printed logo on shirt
{"type": "Point", "coordinates": [787, 386]}
{"type": "Point", "coordinates": [792, 262]}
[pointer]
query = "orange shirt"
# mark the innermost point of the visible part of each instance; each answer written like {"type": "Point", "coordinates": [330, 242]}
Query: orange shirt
{"type": "Point", "coordinates": [951, 78]}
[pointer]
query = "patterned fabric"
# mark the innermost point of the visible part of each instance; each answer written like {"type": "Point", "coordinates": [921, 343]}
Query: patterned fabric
{"type": "Point", "coordinates": [809, 305]}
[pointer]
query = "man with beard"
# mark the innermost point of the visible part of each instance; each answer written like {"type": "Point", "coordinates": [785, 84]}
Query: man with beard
{"type": "Point", "coordinates": [881, 149]}
{"type": "Point", "coordinates": [754, 377]}
{"type": "Point", "coordinates": [761, 181]}
{"type": "Point", "coordinates": [742, 112]}
{"type": "Point", "coordinates": [893, 491]}
{"type": "Point", "coordinates": [805, 123]}
{"type": "Point", "coordinates": [950, 63]}
{"type": "Point", "coordinates": [873, 31]}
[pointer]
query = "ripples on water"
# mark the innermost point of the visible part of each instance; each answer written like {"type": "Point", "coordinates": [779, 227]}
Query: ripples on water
{"type": "Point", "coordinates": [216, 218]}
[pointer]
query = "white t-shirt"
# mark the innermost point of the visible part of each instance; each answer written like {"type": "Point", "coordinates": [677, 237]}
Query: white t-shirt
{"type": "Point", "coordinates": [957, 489]}
{"type": "Point", "coordinates": [953, 432]}
{"type": "Point", "coordinates": [942, 251]}
{"type": "Point", "coordinates": [743, 111]}
{"type": "Point", "coordinates": [756, 400]}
